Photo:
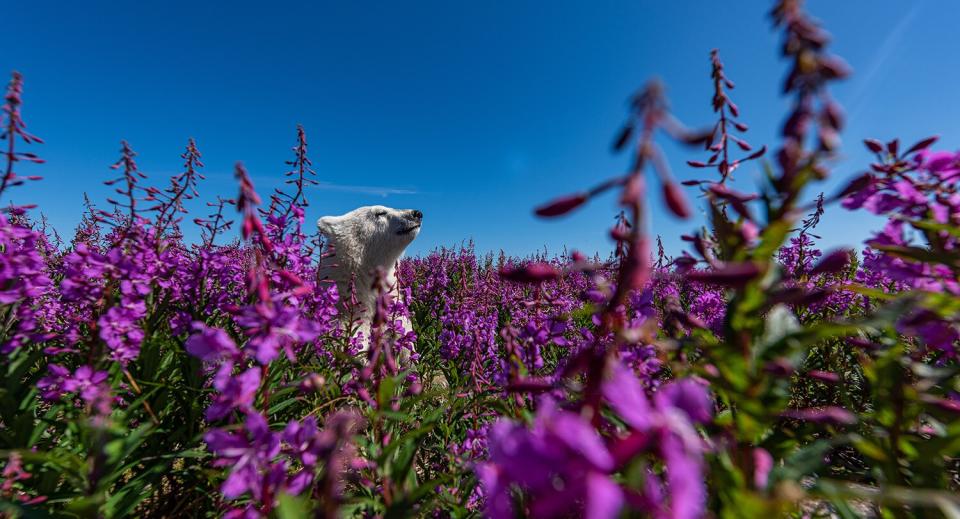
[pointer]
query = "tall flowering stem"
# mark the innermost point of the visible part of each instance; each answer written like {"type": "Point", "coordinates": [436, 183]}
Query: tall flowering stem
{"type": "Point", "coordinates": [812, 69]}
{"type": "Point", "coordinates": [740, 252]}
{"type": "Point", "coordinates": [12, 127]}
{"type": "Point", "coordinates": [128, 186]}
{"type": "Point", "coordinates": [283, 205]}
{"type": "Point", "coordinates": [247, 202]}
{"type": "Point", "coordinates": [599, 359]}
{"type": "Point", "coordinates": [252, 229]}
{"type": "Point", "coordinates": [182, 187]}
{"type": "Point", "coordinates": [727, 111]}
{"type": "Point", "coordinates": [215, 223]}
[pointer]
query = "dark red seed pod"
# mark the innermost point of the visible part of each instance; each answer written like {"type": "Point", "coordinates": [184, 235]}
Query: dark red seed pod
{"type": "Point", "coordinates": [873, 145]}
{"type": "Point", "coordinates": [830, 415]}
{"type": "Point", "coordinates": [832, 262]}
{"type": "Point", "coordinates": [530, 273]}
{"type": "Point", "coordinates": [632, 192]}
{"type": "Point", "coordinates": [922, 145]}
{"type": "Point", "coordinates": [855, 186]}
{"type": "Point", "coordinates": [827, 377]}
{"type": "Point", "coordinates": [676, 200]}
{"type": "Point", "coordinates": [757, 154]}
{"type": "Point", "coordinates": [832, 67]}
{"type": "Point", "coordinates": [620, 233]}
{"type": "Point", "coordinates": [726, 193]}
{"type": "Point", "coordinates": [728, 275]}
{"type": "Point", "coordinates": [623, 138]}
{"type": "Point", "coordinates": [780, 367]}
{"type": "Point", "coordinates": [561, 206]}
{"type": "Point", "coordinates": [893, 146]}
{"type": "Point", "coordinates": [529, 385]}
{"type": "Point", "coordinates": [685, 262]}
{"type": "Point", "coordinates": [833, 115]}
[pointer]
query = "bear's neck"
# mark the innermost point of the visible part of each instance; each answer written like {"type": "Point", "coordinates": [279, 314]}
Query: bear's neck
{"type": "Point", "coordinates": [359, 277]}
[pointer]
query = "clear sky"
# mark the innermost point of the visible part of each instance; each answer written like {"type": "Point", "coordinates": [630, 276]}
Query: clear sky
{"type": "Point", "coordinates": [473, 112]}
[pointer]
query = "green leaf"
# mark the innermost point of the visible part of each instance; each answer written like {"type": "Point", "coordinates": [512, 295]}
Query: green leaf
{"type": "Point", "coordinates": [292, 507]}
{"type": "Point", "coordinates": [803, 462]}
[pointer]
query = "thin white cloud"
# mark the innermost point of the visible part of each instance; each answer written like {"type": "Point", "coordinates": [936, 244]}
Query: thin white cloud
{"type": "Point", "coordinates": [889, 46]}
{"type": "Point", "coordinates": [381, 191]}
{"type": "Point", "coordinates": [367, 190]}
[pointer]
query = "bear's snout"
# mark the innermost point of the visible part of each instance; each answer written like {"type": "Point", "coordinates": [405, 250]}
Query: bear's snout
{"type": "Point", "coordinates": [416, 215]}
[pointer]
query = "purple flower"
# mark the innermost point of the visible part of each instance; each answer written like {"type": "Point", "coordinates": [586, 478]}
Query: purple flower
{"type": "Point", "coordinates": [669, 422]}
{"type": "Point", "coordinates": [51, 386]}
{"type": "Point", "coordinates": [23, 280]}
{"type": "Point", "coordinates": [561, 462]}
{"type": "Point", "coordinates": [275, 327]}
{"type": "Point", "coordinates": [688, 493]}
{"type": "Point", "coordinates": [762, 465]}
{"type": "Point", "coordinates": [211, 343]}
{"type": "Point", "coordinates": [120, 331]}
{"type": "Point", "coordinates": [302, 439]}
{"type": "Point", "coordinates": [236, 392]}
{"type": "Point", "coordinates": [86, 382]}
{"type": "Point", "coordinates": [689, 396]}
{"type": "Point", "coordinates": [627, 397]}
{"type": "Point", "coordinates": [943, 164]}
{"type": "Point", "coordinates": [249, 453]}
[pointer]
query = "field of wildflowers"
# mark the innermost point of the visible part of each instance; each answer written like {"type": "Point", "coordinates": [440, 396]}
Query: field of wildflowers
{"type": "Point", "coordinates": [754, 376]}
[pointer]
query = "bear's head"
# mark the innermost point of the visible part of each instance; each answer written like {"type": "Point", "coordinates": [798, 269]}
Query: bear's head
{"type": "Point", "coordinates": [372, 236]}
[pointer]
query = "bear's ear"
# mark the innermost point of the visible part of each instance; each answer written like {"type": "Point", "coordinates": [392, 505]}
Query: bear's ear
{"type": "Point", "coordinates": [327, 225]}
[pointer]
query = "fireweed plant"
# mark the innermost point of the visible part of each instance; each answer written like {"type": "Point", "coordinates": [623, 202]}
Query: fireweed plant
{"type": "Point", "coordinates": [754, 375]}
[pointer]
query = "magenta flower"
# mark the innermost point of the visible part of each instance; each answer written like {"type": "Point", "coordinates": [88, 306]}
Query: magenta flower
{"type": "Point", "coordinates": [249, 453]}
{"type": "Point", "coordinates": [236, 392]}
{"type": "Point", "coordinates": [86, 382]}
{"type": "Point", "coordinates": [51, 386]}
{"type": "Point", "coordinates": [273, 328]}
{"type": "Point", "coordinates": [121, 332]}
{"type": "Point", "coordinates": [303, 440]}
{"type": "Point", "coordinates": [762, 465]}
{"type": "Point", "coordinates": [561, 462]}
{"type": "Point", "coordinates": [211, 344]}
{"type": "Point", "coordinates": [689, 396]}
{"type": "Point", "coordinates": [667, 426]}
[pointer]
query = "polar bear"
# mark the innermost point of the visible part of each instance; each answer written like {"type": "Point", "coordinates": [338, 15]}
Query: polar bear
{"type": "Point", "coordinates": [364, 240]}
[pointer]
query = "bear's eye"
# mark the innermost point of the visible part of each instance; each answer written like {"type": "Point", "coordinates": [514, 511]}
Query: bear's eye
{"type": "Point", "coordinates": [379, 214]}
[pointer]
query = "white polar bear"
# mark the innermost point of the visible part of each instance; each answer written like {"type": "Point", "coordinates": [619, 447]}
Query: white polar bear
{"type": "Point", "coordinates": [364, 240]}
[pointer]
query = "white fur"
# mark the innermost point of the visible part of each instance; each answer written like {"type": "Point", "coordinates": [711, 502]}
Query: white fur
{"type": "Point", "coordinates": [363, 240]}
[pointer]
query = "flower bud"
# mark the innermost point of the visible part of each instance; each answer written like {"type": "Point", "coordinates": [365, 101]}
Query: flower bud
{"type": "Point", "coordinates": [676, 200]}
{"type": "Point", "coordinates": [832, 262]}
{"type": "Point", "coordinates": [728, 275]}
{"type": "Point", "coordinates": [530, 273]}
{"type": "Point", "coordinates": [561, 206]}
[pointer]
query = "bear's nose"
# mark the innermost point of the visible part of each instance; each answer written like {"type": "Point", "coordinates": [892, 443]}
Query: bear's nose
{"type": "Point", "coordinates": [417, 215]}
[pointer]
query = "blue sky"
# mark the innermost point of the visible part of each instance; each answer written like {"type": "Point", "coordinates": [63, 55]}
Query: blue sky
{"type": "Point", "coordinates": [473, 112]}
